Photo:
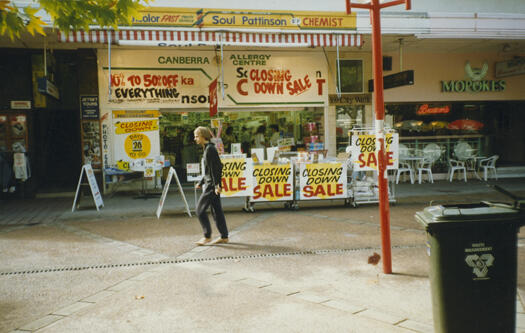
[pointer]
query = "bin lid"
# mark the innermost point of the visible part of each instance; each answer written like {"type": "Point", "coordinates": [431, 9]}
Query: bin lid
{"type": "Point", "coordinates": [453, 216]}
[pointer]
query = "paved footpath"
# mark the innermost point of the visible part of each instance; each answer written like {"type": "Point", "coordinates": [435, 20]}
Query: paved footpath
{"type": "Point", "coordinates": [125, 270]}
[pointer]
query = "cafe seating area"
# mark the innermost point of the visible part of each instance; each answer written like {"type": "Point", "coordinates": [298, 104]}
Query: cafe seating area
{"type": "Point", "coordinates": [460, 158]}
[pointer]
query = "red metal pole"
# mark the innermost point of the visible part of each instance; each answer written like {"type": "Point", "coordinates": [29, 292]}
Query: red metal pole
{"type": "Point", "coordinates": [377, 65]}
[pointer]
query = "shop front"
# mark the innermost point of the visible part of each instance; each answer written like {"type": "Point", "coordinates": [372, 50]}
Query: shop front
{"type": "Point", "coordinates": [461, 107]}
{"type": "Point", "coordinates": [159, 96]}
{"type": "Point", "coordinates": [274, 71]}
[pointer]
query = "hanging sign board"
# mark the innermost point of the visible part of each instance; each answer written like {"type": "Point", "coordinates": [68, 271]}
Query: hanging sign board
{"type": "Point", "coordinates": [47, 87]}
{"type": "Point", "coordinates": [272, 182]}
{"type": "Point", "coordinates": [364, 154]}
{"type": "Point", "coordinates": [172, 173]}
{"type": "Point", "coordinates": [92, 181]}
{"type": "Point", "coordinates": [322, 181]}
{"type": "Point", "coordinates": [237, 177]}
{"type": "Point", "coordinates": [404, 78]}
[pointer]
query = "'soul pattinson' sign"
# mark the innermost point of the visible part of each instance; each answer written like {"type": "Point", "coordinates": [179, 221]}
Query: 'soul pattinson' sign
{"type": "Point", "coordinates": [323, 181]}
{"type": "Point", "coordinates": [274, 182]}
{"type": "Point", "coordinates": [364, 155]}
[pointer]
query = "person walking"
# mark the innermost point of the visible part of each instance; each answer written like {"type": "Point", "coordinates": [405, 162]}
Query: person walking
{"type": "Point", "coordinates": [211, 195]}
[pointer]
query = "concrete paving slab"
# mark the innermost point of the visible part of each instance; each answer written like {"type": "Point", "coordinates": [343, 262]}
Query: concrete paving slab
{"type": "Point", "coordinates": [381, 316]}
{"type": "Point", "coordinates": [70, 309]}
{"type": "Point", "coordinates": [42, 322]}
{"type": "Point", "coordinates": [344, 305]}
{"type": "Point", "coordinates": [98, 296]}
{"type": "Point", "coordinates": [224, 306]}
{"type": "Point", "coordinates": [416, 326]}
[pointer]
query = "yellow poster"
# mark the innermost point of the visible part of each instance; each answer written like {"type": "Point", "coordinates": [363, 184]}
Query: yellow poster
{"type": "Point", "coordinates": [273, 182]}
{"type": "Point", "coordinates": [364, 155]}
{"type": "Point", "coordinates": [323, 181]}
{"type": "Point", "coordinates": [236, 177]}
{"type": "Point", "coordinates": [137, 146]}
{"type": "Point", "coordinates": [136, 126]}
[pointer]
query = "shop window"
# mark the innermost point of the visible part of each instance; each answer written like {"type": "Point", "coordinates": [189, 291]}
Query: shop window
{"type": "Point", "coordinates": [351, 72]}
{"type": "Point", "coordinates": [304, 126]}
{"type": "Point", "coordinates": [347, 118]}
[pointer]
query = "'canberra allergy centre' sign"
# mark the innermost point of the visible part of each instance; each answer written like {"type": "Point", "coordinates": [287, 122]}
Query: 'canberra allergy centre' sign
{"type": "Point", "coordinates": [160, 78]}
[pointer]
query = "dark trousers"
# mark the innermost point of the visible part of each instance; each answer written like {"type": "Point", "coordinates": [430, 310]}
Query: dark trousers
{"type": "Point", "coordinates": [207, 199]}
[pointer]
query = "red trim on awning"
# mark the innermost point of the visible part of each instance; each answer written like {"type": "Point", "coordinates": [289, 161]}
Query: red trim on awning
{"type": "Point", "coordinates": [255, 38]}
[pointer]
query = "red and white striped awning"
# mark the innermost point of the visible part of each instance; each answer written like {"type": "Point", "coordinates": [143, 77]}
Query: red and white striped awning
{"type": "Point", "coordinates": [198, 38]}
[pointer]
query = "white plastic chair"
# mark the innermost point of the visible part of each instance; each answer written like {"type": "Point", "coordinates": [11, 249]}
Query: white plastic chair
{"type": "Point", "coordinates": [489, 164]}
{"type": "Point", "coordinates": [405, 167]}
{"type": "Point", "coordinates": [425, 165]}
{"type": "Point", "coordinates": [432, 152]}
{"type": "Point", "coordinates": [455, 165]}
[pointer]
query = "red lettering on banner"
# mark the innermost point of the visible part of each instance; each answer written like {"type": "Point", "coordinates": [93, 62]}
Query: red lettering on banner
{"type": "Point", "coordinates": [272, 191]}
{"type": "Point", "coordinates": [299, 86]}
{"type": "Point", "coordinates": [170, 18]}
{"type": "Point", "coordinates": [229, 186]}
{"type": "Point", "coordinates": [329, 190]}
{"type": "Point", "coordinates": [322, 21]}
{"type": "Point", "coordinates": [186, 81]}
{"type": "Point", "coordinates": [320, 83]}
{"type": "Point", "coordinates": [240, 89]}
{"type": "Point", "coordinates": [155, 80]}
{"type": "Point", "coordinates": [371, 161]}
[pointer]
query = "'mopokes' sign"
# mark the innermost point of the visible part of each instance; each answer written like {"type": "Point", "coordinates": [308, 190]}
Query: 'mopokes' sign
{"type": "Point", "coordinates": [273, 182]}
{"type": "Point", "coordinates": [237, 177]}
{"type": "Point", "coordinates": [364, 154]}
{"type": "Point", "coordinates": [323, 181]}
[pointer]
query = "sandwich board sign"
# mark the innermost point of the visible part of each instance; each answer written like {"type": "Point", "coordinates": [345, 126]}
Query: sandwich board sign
{"type": "Point", "coordinates": [92, 181]}
{"type": "Point", "coordinates": [171, 173]}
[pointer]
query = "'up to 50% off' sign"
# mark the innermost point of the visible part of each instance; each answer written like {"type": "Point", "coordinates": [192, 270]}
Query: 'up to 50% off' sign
{"type": "Point", "coordinates": [364, 154]}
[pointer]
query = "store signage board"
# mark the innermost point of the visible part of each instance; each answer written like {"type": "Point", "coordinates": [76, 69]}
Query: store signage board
{"type": "Point", "coordinates": [350, 99]}
{"type": "Point", "coordinates": [245, 19]}
{"type": "Point", "coordinates": [92, 181]}
{"type": "Point", "coordinates": [272, 182]}
{"type": "Point", "coordinates": [89, 107]}
{"type": "Point", "coordinates": [171, 174]}
{"type": "Point", "coordinates": [322, 181]}
{"type": "Point", "coordinates": [47, 87]}
{"type": "Point", "coordinates": [21, 105]}
{"type": "Point", "coordinates": [476, 82]}
{"type": "Point", "coordinates": [511, 67]}
{"type": "Point", "coordinates": [146, 79]}
{"type": "Point", "coordinates": [364, 156]}
{"type": "Point", "coordinates": [405, 78]}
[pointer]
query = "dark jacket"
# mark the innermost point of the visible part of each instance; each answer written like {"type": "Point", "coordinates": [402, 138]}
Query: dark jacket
{"type": "Point", "coordinates": [212, 166]}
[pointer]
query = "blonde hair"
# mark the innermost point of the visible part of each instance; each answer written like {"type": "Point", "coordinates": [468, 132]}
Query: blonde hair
{"type": "Point", "coordinates": [204, 132]}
